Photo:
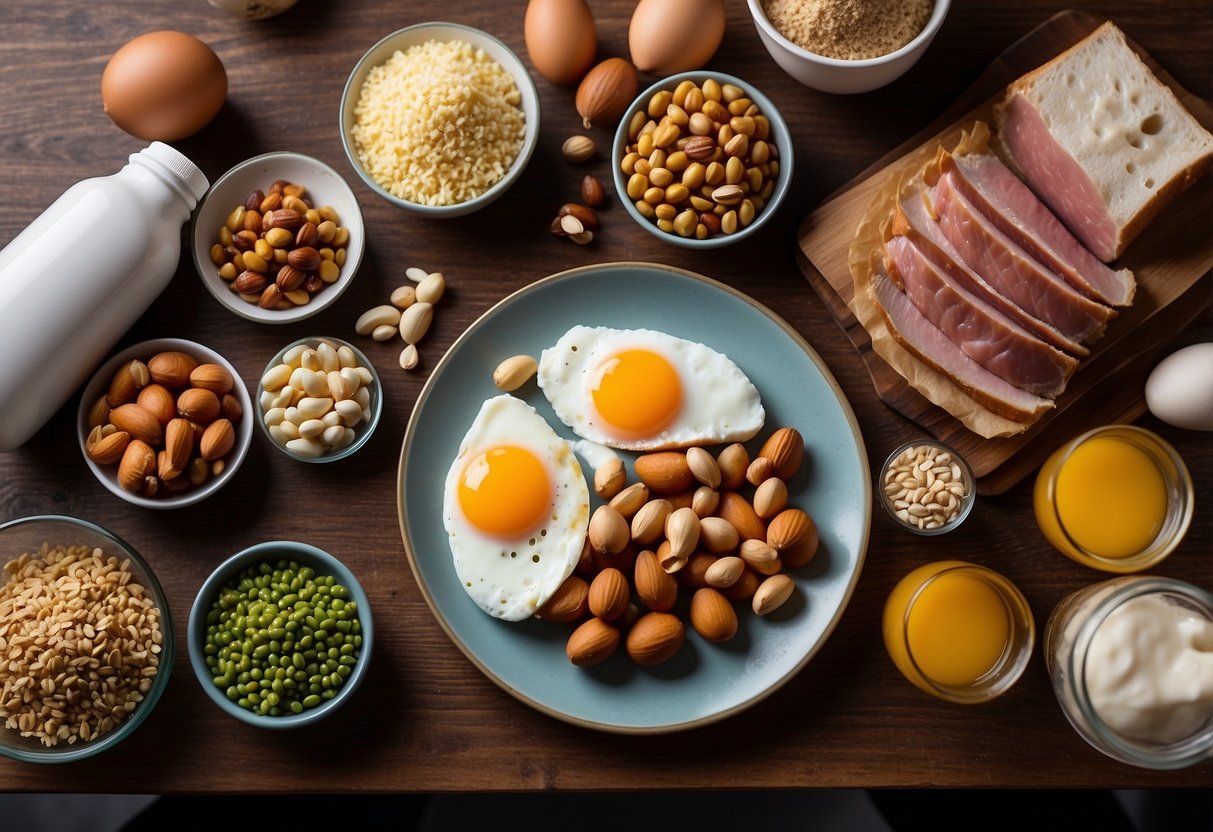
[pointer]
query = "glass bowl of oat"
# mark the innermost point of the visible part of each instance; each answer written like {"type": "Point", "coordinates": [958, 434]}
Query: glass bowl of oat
{"type": "Point", "coordinates": [61, 698]}
{"type": "Point", "coordinates": [850, 46]}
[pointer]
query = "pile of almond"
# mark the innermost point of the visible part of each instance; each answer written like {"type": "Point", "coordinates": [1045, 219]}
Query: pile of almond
{"type": "Point", "coordinates": [168, 424]}
{"type": "Point", "coordinates": [717, 527]}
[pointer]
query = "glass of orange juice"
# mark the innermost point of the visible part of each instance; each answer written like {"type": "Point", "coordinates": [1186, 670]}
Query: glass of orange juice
{"type": "Point", "coordinates": [959, 631]}
{"type": "Point", "coordinates": [1117, 498]}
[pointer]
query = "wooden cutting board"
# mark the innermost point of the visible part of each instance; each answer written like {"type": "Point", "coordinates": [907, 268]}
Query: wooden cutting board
{"type": "Point", "coordinates": [1171, 260]}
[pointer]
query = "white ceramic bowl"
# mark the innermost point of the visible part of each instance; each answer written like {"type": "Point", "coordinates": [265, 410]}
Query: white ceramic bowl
{"type": "Point", "coordinates": [108, 474]}
{"type": "Point", "coordinates": [838, 76]}
{"type": "Point", "coordinates": [401, 40]}
{"type": "Point", "coordinates": [324, 187]}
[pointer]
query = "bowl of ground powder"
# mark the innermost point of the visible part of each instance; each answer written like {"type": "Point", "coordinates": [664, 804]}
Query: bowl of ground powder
{"type": "Point", "coordinates": [847, 46]}
{"type": "Point", "coordinates": [439, 118]}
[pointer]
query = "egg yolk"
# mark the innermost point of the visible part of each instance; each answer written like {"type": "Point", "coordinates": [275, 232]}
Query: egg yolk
{"type": "Point", "coordinates": [505, 491]}
{"type": "Point", "coordinates": [638, 392]}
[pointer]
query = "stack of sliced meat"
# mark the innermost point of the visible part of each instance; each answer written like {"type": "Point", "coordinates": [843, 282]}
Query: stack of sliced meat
{"type": "Point", "coordinates": [984, 284]}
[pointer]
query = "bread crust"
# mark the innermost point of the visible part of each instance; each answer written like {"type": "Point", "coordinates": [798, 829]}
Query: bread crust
{"type": "Point", "coordinates": [1159, 198]}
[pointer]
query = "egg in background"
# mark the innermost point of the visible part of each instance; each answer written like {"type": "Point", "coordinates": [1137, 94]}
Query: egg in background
{"type": "Point", "coordinates": [561, 39]}
{"type": "Point", "coordinates": [163, 86]}
{"type": "Point", "coordinates": [666, 37]}
{"type": "Point", "coordinates": [516, 509]}
{"type": "Point", "coordinates": [644, 390]}
{"type": "Point", "coordinates": [1180, 389]}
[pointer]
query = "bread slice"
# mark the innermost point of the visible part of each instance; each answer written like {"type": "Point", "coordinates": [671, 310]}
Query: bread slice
{"type": "Point", "coordinates": [1102, 140]}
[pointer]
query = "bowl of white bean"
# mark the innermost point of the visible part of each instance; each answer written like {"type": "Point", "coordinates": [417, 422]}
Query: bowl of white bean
{"type": "Point", "coordinates": [320, 399]}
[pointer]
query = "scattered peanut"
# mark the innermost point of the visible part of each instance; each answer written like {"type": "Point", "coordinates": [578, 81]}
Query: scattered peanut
{"type": "Point", "coordinates": [577, 148]}
{"type": "Point", "coordinates": [409, 313]}
{"type": "Point", "coordinates": [514, 372]}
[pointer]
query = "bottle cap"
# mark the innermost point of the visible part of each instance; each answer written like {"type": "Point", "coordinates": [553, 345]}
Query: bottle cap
{"type": "Point", "coordinates": [189, 174]}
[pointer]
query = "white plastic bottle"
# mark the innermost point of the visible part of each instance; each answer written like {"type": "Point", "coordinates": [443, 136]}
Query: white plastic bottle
{"type": "Point", "coordinates": [76, 279]}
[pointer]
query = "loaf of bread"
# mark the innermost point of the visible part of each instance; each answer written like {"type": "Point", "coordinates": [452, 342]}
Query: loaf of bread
{"type": "Point", "coordinates": [1102, 140]}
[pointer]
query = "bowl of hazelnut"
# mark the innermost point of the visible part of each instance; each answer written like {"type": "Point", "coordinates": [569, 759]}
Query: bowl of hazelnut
{"type": "Point", "coordinates": [278, 238]}
{"type": "Point", "coordinates": [165, 423]}
{"type": "Point", "coordinates": [702, 159]}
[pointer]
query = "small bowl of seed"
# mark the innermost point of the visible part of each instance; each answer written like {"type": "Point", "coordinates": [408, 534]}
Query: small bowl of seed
{"type": "Point", "coordinates": [927, 487]}
{"type": "Point", "coordinates": [65, 698]}
{"type": "Point", "coordinates": [702, 159]}
{"type": "Point", "coordinates": [320, 399]}
{"type": "Point", "coordinates": [280, 635]}
{"type": "Point", "coordinates": [278, 238]}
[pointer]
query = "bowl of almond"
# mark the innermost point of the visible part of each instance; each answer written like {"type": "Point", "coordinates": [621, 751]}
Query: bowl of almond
{"type": "Point", "coordinates": [165, 423]}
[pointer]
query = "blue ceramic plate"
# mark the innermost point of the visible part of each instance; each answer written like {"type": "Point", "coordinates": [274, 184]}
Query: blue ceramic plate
{"type": "Point", "coordinates": [704, 682]}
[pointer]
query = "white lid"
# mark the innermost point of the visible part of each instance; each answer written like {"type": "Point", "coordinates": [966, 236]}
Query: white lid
{"type": "Point", "coordinates": [180, 166]}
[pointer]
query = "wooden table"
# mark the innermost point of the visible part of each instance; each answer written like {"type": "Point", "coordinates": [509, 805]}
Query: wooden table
{"type": "Point", "coordinates": [426, 719]}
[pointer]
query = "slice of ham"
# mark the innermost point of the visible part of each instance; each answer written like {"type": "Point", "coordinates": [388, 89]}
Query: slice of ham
{"type": "Point", "coordinates": [982, 332]}
{"type": "Point", "coordinates": [1014, 272]}
{"type": "Point", "coordinates": [1016, 211]}
{"type": "Point", "coordinates": [914, 221]}
{"type": "Point", "coordinates": [928, 344]}
{"type": "Point", "coordinates": [1057, 177]}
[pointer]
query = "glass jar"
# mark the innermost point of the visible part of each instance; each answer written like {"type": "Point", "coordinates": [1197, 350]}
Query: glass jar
{"type": "Point", "coordinates": [1100, 674]}
{"type": "Point", "coordinates": [927, 487]}
{"type": "Point", "coordinates": [1117, 498]}
{"type": "Point", "coordinates": [961, 632]}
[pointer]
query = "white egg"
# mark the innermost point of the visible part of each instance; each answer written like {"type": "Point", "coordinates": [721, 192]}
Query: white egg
{"type": "Point", "coordinates": [643, 390]}
{"type": "Point", "coordinates": [515, 507]}
{"type": "Point", "coordinates": [1180, 389]}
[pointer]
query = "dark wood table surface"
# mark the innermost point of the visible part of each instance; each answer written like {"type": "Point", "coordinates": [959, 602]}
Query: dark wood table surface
{"type": "Point", "coordinates": [426, 719]}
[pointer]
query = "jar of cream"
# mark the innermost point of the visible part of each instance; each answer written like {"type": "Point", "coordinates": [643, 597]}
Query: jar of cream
{"type": "Point", "coordinates": [1131, 660]}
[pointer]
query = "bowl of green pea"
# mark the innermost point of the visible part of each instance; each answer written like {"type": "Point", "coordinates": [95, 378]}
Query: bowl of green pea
{"type": "Point", "coordinates": [280, 634]}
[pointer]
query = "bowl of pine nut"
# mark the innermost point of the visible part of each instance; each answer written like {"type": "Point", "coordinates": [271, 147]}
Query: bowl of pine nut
{"type": "Point", "coordinates": [63, 699]}
{"type": "Point", "coordinates": [927, 487]}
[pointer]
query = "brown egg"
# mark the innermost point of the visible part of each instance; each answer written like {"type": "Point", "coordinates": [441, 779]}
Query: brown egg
{"type": "Point", "coordinates": [163, 86]}
{"type": "Point", "coordinates": [561, 39]}
{"type": "Point", "coordinates": [670, 36]}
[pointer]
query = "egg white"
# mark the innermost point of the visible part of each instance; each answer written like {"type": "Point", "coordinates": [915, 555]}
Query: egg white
{"type": "Point", "coordinates": [511, 579]}
{"type": "Point", "coordinates": [719, 402]}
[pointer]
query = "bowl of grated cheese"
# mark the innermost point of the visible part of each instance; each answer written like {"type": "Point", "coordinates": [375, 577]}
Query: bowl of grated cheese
{"type": "Point", "coordinates": [439, 119]}
{"type": "Point", "coordinates": [847, 46]}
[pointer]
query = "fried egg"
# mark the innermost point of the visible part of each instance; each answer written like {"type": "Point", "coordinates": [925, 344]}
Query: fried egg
{"type": "Point", "coordinates": [515, 507]}
{"type": "Point", "coordinates": [643, 390]}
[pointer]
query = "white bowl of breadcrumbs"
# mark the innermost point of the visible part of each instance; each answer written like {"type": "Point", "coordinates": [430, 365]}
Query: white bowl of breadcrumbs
{"type": "Point", "coordinates": [847, 46]}
{"type": "Point", "coordinates": [439, 119]}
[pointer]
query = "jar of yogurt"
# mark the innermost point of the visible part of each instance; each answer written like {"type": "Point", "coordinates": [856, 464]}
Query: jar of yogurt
{"type": "Point", "coordinates": [1131, 661]}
